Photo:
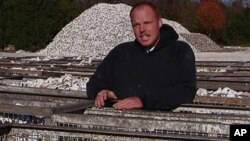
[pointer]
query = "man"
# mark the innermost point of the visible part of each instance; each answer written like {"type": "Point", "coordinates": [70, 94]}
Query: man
{"type": "Point", "coordinates": [153, 72]}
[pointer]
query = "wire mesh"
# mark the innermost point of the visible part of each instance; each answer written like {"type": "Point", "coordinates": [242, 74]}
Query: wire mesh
{"type": "Point", "coordinates": [17, 134]}
{"type": "Point", "coordinates": [21, 118]}
{"type": "Point", "coordinates": [43, 135]}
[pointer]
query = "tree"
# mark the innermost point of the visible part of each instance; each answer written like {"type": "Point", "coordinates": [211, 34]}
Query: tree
{"type": "Point", "coordinates": [31, 24]}
{"type": "Point", "coordinates": [238, 27]}
{"type": "Point", "coordinates": [210, 16]}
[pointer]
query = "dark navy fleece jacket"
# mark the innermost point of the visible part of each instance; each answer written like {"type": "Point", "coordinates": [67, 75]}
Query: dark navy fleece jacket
{"type": "Point", "coordinates": [163, 79]}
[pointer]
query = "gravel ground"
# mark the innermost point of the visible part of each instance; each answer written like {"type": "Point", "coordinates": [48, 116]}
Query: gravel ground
{"type": "Point", "coordinates": [223, 56]}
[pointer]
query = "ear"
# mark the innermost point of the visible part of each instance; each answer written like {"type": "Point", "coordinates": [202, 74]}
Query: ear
{"type": "Point", "coordinates": [160, 22]}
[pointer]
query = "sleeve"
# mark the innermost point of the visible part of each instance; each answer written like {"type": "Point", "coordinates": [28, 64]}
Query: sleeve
{"type": "Point", "coordinates": [184, 88]}
{"type": "Point", "coordinates": [102, 77]}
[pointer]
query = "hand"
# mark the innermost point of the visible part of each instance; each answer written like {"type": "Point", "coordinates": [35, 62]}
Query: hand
{"type": "Point", "coordinates": [129, 103]}
{"type": "Point", "coordinates": [102, 96]}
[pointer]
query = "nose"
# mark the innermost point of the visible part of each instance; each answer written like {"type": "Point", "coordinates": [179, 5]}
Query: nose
{"type": "Point", "coordinates": [142, 28]}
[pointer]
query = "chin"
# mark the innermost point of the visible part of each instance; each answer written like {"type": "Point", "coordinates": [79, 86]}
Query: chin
{"type": "Point", "coordinates": [146, 44]}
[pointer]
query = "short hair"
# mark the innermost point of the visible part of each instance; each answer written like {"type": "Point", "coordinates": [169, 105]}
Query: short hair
{"type": "Point", "coordinates": [145, 3]}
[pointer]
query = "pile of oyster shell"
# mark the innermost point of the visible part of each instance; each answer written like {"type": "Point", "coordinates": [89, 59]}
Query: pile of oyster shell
{"type": "Point", "coordinates": [65, 82]}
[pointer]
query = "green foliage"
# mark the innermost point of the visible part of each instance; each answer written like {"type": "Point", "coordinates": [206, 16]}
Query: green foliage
{"type": "Point", "coordinates": [238, 30]}
{"type": "Point", "coordinates": [31, 24]}
{"type": "Point", "coordinates": [181, 11]}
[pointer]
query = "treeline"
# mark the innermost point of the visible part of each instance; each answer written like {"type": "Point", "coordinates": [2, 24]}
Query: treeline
{"type": "Point", "coordinates": [225, 25]}
{"type": "Point", "coordinates": [32, 24]}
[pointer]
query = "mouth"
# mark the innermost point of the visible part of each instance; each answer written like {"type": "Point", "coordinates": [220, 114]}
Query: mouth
{"type": "Point", "coordinates": [144, 37]}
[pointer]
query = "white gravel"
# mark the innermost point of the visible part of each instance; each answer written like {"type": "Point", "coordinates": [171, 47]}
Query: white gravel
{"type": "Point", "coordinates": [201, 42]}
{"type": "Point", "coordinates": [223, 92]}
{"type": "Point", "coordinates": [65, 82]}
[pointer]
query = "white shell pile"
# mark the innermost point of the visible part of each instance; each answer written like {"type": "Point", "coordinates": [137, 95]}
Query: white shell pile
{"type": "Point", "coordinates": [222, 92]}
{"type": "Point", "coordinates": [19, 68]}
{"type": "Point", "coordinates": [65, 82]}
{"type": "Point", "coordinates": [5, 120]}
{"type": "Point", "coordinates": [201, 42]}
{"type": "Point", "coordinates": [38, 59]}
{"type": "Point", "coordinates": [96, 31]}
{"type": "Point", "coordinates": [93, 33]}
{"type": "Point", "coordinates": [210, 70]}
{"type": "Point", "coordinates": [20, 119]}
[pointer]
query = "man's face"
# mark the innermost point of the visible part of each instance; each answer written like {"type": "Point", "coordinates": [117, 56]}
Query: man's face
{"type": "Point", "coordinates": [146, 26]}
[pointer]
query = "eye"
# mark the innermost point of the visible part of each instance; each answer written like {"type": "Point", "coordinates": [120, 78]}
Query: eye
{"type": "Point", "coordinates": [147, 22]}
{"type": "Point", "coordinates": [135, 24]}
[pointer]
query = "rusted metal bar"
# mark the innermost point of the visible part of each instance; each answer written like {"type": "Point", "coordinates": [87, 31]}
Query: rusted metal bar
{"type": "Point", "coordinates": [214, 85]}
{"type": "Point", "coordinates": [223, 74]}
{"type": "Point", "coordinates": [43, 91]}
{"type": "Point", "coordinates": [29, 110]}
{"type": "Point", "coordinates": [73, 107]}
{"type": "Point", "coordinates": [222, 101]}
